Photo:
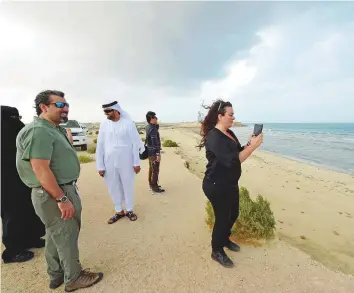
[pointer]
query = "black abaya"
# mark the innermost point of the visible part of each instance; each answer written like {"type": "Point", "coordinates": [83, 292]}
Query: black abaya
{"type": "Point", "coordinates": [22, 228]}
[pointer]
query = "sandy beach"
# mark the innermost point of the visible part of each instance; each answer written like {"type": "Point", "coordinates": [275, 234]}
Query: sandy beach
{"type": "Point", "coordinates": [168, 248]}
{"type": "Point", "coordinates": [314, 207]}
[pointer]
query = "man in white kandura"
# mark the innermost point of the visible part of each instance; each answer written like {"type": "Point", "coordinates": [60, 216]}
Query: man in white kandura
{"type": "Point", "coordinates": [117, 158]}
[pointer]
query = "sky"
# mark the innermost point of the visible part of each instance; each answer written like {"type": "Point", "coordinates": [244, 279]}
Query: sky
{"type": "Point", "coordinates": [274, 61]}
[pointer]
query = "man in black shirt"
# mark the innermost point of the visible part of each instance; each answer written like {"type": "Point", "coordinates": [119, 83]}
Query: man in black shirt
{"type": "Point", "coordinates": [154, 150]}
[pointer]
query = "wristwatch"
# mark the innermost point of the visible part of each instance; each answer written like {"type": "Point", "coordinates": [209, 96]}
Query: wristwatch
{"type": "Point", "coordinates": [64, 198]}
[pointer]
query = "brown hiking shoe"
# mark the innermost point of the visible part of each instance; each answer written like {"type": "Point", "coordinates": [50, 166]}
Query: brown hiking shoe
{"type": "Point", "coordinates": [86, 279]}
{"type": "Point", "coordinates": [56, 283]}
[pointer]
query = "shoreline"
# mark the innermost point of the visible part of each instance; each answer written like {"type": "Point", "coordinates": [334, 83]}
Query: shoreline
{"type": "Point", "coordinates": [313, 206]}
{"type": "Point", "coordinates": [311, 163]}
{"type": "Point", "coordinates": [196, 130]}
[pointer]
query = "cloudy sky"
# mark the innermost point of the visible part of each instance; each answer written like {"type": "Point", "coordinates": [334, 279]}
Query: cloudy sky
{"type": "Point", "coordinates": [275, 61]}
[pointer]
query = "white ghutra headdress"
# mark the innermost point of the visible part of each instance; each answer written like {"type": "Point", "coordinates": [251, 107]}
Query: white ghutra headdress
{"type": "Point", "coordinates": [115, 106]}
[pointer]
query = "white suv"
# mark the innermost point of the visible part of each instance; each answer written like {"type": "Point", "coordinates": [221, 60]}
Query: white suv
{"type": "Point", "coordinates": [78, 134]}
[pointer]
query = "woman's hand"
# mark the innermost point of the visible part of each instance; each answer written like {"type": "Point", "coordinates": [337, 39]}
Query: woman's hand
{"type": "Point", "coordinates": [256, 141]}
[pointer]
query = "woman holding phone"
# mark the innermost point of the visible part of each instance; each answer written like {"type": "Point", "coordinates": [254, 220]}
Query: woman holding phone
{"type": "Point", "coordinates": [220, 184]}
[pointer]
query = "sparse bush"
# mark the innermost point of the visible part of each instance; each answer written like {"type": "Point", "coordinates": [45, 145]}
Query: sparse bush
{"type": "Point", "coordinates": [141, 132]}
{"type": "Point", "coordinates": [169, 143]}
{"type": "Point", "coordinates": [92, 150]}
{"type": "Point", "coordinates": [85, 159]}
{"type": "Point", "coordinates": [90, 133]}
{"type": "Point", "coordinates": [95, 140]}
{"type": "Point", "coordinates": [256, 220]}
{"type": "Point", "coordinates": [96, 131]}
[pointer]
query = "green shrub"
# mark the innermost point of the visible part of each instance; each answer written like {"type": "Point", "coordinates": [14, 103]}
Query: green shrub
{"type": "Point", "coordinates": [90, 133]}
{"type": "Point", "coordinates": [256, 220]}
{"type": "Point", "coordinates": [95, 140]}
{"type": "Point", "coordinates": [92, 150]}
{"type": "Point", "coordinates": [85, 159]}
{"type": "Point", "coordinates": [96, 131]}
{"type": "Point", "coordinates": [169, 143]}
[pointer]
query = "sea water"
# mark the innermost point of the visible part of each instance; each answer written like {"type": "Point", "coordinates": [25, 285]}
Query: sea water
{"type": "Point", "coordinates": [329, 145]}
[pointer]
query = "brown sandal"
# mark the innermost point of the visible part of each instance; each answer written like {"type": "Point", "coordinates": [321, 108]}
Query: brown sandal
{"type": "Point", "coordinates": [115, 218]}
{"type": "Point", "coordinates": [131, 216]}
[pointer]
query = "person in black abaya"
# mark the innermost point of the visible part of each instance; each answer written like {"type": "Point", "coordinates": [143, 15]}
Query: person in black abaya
{"type": "Point", "coordinates": [22, 228]}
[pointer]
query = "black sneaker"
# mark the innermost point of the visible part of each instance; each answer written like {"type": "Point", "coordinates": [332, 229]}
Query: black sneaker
{"type": "Point", "coordinates": [23, 256]}
{"type": "Point", "coordinates": [233, 246]}
{"type": "Point", "coordinates": [158, 190]}
{"type": "Point", "coordinates": [150, 188]}
{"type": "Point", "coordinates": [222, 258]}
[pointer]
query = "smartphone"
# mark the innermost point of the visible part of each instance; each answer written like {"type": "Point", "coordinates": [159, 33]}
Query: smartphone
{"type": "Point", "coordinates": [258, 128]}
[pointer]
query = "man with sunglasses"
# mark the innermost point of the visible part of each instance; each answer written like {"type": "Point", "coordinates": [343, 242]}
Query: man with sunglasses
{"type": "Point", "coordinates": [117, 158]}
{"type": "Point", "coordinates": [154, 151]}
{"type": "Point", "coordinates": [47, 162]}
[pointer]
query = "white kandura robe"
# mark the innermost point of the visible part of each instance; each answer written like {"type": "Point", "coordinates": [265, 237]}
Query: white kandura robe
{"type": "Point", "coordinates": [117, 153]}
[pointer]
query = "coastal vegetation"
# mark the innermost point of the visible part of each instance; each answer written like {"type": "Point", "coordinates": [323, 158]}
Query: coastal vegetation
{"type": "Point", "coordinates": [92, 149]}
{"type": "Point", "coordinates": [255, 222]}
{"type": "Point", "coordinates": [169, 143]}
{"type": "Point", "coordinates": [85, 159]}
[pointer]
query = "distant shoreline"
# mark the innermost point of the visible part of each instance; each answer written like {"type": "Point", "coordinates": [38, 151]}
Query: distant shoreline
{"type": "Point", "coordinates": [195, 127]}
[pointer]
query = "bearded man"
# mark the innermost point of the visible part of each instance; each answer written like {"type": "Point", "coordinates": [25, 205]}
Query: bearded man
{"type": "Point", "coordinates": [47, 162]}
{"type": "Point", "coordinates": [117, 158]}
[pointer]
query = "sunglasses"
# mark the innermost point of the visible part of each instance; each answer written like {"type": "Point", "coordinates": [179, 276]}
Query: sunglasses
{"type": "Point", "coordinates": [221, 103]}
{"type": "Point", "coordinates": [60, 105]}
{"type": "Point", "coordinates": [107, 111]}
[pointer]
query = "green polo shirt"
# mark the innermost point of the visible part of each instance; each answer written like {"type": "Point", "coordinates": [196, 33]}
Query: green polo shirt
{"type": "Point", "coordinates": [41, 139]}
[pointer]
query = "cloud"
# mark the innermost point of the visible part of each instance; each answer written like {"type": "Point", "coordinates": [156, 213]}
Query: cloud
{"type": "Point", "coordinates": [273, 61]}
{"type": "Point", "coordinates": [301, 70]}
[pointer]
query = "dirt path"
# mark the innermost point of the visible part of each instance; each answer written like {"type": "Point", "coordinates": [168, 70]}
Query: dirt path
{"type": "Point", "coordinates": [168, 248]}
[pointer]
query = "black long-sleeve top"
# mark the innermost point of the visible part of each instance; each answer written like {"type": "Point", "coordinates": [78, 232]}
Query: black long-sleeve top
{"type": "Point", "coordinates": [153, 139]}
{"type": "Point", "coordinates": [222, 153]}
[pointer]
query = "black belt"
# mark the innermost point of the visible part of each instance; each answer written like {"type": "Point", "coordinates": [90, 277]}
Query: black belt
{"type": "Point", "coordinates": [69, 183]}
{"type": "Point", "coordinates": [64, 184]}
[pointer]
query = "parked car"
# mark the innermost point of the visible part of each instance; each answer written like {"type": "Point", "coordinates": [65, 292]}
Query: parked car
{"type": "Point", "coordinates": [78, 134]}
{"type": "Point", "coordinates": [83, 126]}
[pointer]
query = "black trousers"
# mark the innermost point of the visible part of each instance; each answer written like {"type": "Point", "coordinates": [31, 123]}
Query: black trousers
{"type": "Point", "coordinates": [225, 202]}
